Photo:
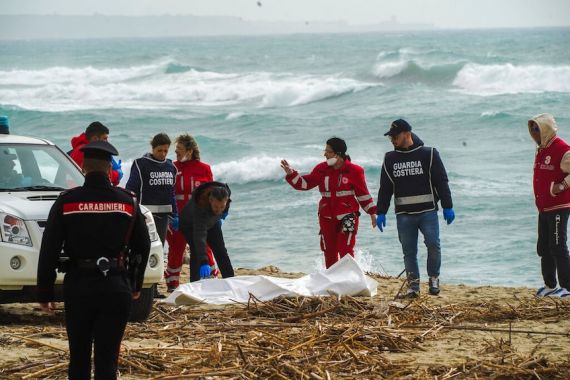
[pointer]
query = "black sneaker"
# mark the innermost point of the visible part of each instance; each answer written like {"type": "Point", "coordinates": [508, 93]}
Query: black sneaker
{"type": "Point", "coordinates": [409, 294]}
{"type": "Point", "coordinates": [434, 286]}
{"type": "Point", "coordinates": [158, 295]}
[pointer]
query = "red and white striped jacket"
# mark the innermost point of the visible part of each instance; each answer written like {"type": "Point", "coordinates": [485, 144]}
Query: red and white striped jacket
{"type": "Point", "coordinates": [343, 190]}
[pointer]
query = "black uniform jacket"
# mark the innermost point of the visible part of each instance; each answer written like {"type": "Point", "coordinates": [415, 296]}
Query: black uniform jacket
{"type": "Point", "coordinates": [197, 217]}
{"type": "Point", "coordinates": [416, 177]}
{"type": "Point", "coordinates": [89, 222]}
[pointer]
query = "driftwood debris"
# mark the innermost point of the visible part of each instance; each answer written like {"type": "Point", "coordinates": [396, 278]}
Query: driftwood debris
{"type": "Point", "coordinates": [307, 338]}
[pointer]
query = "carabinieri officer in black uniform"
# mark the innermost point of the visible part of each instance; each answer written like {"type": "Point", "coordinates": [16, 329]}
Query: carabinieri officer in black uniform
{"type": "Point", "coordinates": [94, 224]}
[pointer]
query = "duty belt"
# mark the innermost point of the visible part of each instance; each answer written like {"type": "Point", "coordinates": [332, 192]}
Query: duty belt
{"type": "Point", "coordinates": [104, 264]}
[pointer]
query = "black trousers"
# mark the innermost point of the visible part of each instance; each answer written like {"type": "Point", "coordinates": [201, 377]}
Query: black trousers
{"type": "Point", "coordinates": [161, 221]}
{"type": "Point", "coordinates": [552, 248]}
{"type": "Point", "coordinates": [215, 240]}
{"type": "Point", "coordinates": [100, 319]}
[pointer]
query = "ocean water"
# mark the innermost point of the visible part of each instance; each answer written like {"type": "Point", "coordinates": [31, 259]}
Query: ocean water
{"type": "Point", "coordinates": [251, 101]}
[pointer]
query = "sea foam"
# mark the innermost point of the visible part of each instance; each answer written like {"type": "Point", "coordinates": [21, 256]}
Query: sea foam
{"type": "Point", "coordinates": [412, 65]}
{"type": "Point", "coordinates": [165, 84]}
{"type": "Point", "coordinates": [259, 168]}
{"type": "Point", "coordinates": [512, 79]}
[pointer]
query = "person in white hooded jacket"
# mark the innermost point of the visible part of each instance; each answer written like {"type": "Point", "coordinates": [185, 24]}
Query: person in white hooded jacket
{"type": "Point", "coordinates": [551, 180]}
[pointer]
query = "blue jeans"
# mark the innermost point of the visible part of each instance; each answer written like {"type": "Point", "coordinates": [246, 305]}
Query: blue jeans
{"type": "Point", "coordinates": [408, 227]}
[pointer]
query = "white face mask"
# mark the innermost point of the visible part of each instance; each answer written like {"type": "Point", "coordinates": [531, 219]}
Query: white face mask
{"type": "Point", "coordinates": [332, 161]}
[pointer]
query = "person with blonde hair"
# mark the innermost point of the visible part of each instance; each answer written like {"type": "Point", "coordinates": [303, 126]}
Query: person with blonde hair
{"type": "Point", "coordinates": [191, 173]}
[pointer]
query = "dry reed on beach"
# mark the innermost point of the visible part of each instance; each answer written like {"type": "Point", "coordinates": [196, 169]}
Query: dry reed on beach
{"type": "Point", "coordinates": [306, 338]}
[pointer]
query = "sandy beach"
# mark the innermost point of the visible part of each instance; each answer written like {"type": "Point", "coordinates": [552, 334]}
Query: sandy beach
{"type": "Point", "coordinates": [466, 332]}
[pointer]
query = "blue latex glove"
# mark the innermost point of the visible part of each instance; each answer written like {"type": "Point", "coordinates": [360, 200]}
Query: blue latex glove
{"type": "Point", "coordinates": [224, 216]}
{"type": "Point", "coordinates": [381, 222]}
{"type": "Point", "coordinates": [205, 271]}
{"type": "Point", "coordinates": [116, 166]}
{"type": "Point", "coordinates": [448, 215]}
{"type": "Point", "coordinates": [174, 222]}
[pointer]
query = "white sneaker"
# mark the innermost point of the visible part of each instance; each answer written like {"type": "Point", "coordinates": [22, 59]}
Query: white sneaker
{"type": "Point", "coordinates": [545, 291]}
{"type": "Point", "coordinates": [562, 293]}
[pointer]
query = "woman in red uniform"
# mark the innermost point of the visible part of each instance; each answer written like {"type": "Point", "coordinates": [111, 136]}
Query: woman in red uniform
{"type": "Point", "coordinates": [191, 173]}
{"type": "Point", "coordinates": [343, 189]}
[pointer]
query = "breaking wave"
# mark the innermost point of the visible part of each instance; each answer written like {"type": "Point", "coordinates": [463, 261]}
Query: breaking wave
{"type": "Point", "coordinates": [440, 68]}
{"type": "Point", "coordinates": [164, 85]}
{"type": "Point", "coordinates": [415, 66]}
{"type": "Point", "coordinates": [512, 79]}
{"type": "Point", "coordinates": [258, 168]}
{"type": "Point", "coordinates": [267, 168]}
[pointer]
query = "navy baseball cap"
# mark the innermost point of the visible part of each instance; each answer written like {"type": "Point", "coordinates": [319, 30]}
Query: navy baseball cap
{"type": "Point", "coordinates": [397, 127]}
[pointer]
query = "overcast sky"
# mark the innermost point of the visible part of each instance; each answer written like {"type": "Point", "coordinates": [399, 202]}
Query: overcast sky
{"type": "Point", "coordinates": [440, 13]}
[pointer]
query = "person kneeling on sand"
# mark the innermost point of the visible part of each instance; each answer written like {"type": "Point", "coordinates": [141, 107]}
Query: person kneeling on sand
{"type": "Point", "coordinates": [551, 180]}
{"type": "Point", "coordinates": [201, 225]}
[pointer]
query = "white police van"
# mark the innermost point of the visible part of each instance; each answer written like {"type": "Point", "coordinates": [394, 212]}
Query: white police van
{"type": "Point", "coordinates": [33, 172]}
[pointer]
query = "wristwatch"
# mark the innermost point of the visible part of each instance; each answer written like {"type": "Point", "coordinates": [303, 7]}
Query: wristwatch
{"type": "Point", "coordinates": [560, 187]}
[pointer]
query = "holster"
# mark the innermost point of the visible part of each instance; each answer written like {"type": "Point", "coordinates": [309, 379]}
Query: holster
{"type": "Point", "coordinates": [133, 269]}
{"type": "Point", "coordinates": [63, 264]}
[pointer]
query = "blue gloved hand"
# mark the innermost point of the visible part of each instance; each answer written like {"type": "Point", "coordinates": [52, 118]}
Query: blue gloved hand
{"type": "Point", "coordinates": [381, 222]}
{"type": "Point", "coordinates": [116, 166]}
{"type": "Point", "coordinates": [205, 271]}
{"type": "Point", "coordinates": [448, 215]}
{"type": "Point", "coordinates": [224, 216]}
{"type": "Point", "coordinates": [174, 222]}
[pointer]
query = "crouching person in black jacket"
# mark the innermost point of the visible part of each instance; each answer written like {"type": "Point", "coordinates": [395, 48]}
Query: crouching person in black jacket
{"type": "Point", "coordinates": [201, 225]}
{"type": "Point", "coordinates": [101, 229]}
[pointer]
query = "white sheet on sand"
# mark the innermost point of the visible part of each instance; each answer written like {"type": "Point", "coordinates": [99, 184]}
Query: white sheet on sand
{"type": "Point", "coordinates": [343, 278]}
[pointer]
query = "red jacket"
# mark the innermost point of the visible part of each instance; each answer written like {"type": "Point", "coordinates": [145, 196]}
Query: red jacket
{"type": "Point", "coordinates": [547, 172]}
{"type": "Point", "coordinates": [343, 190]}
{"type": "Point", "coordinates": [77, 143]}
{"type": "Point", "coordinates": [78, 156]}
{"type": "Point", "coordinates": [190, 175]}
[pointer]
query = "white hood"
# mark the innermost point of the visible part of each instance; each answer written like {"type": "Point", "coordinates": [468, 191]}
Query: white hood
{"type": "Point", "coordinates": [28, 205]}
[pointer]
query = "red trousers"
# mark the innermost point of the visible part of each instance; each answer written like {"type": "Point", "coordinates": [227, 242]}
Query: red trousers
{"type": "Point", "coordinates": [334, 241]}
{"type": "Point", "coordinates": [176, 247]}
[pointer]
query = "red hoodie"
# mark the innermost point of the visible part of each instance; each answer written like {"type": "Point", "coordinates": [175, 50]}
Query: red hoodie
{"type": "Point", "coordinates": [77, 155]}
